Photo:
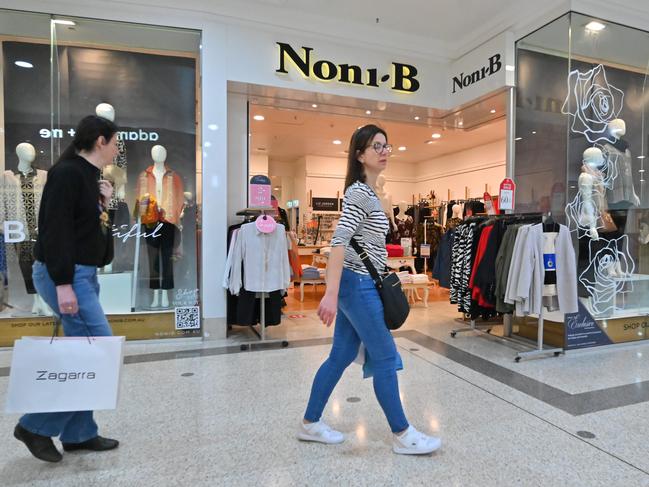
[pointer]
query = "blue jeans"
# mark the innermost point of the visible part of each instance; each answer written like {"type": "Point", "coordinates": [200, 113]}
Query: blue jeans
{"type": "Point", "coordinates": [79, 426]}
{"type": "Point", "coordinates": [360, 319]}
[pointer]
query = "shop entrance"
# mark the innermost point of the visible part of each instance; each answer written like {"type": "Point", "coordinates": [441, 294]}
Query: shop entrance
{"type": "Point", "coordinates": [441, 163]}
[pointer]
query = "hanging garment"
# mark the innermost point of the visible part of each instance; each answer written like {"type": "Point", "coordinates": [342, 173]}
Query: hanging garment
{"type": "Point", "coordinates": [503, 263]}
{"type": "Point", "coordinates": [442, 267]}
{"type": "Point", "coordinates": [405, 229]}
{"type": "Point", "coordinates": [530, 269]}
{"type": "Point", "coordinates": [116, 177]}
{"type": "Point", "coordinates": [172, 199]}
{"type": "Point", "coordinates": [452, 223]}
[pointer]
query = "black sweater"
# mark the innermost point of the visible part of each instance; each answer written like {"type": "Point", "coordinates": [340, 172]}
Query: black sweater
{"type": "Point", "coordinates": [69, 227]}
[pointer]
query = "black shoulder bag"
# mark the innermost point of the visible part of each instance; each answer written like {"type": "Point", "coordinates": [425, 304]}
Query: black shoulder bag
{"type": "Point", "coordinates": [395, 303]}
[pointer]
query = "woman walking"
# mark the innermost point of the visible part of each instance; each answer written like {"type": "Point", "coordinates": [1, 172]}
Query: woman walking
{"type": "Point", "coordinates": [74, 238]}
{"type": "Point", "coordinates": [353, 299]}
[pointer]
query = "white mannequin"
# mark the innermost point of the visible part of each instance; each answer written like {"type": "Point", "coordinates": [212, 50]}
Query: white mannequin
{"type": "Point", "coordinates": [403, 206]}
{"type": "Point", "coordinates": [588, 183]}
{"type": "Point", "coordinates": [159, 156]}
{"type": "Point", "coordinates": [457, 211]}
{"type": "Point", "coordinates": [617, 128]}
{"type": "Point", "coordinates": [26, 156]}
{"type": "Point", "coordinates": [107, 111]}
{"type": "Point", "coordinates": [385, 197]}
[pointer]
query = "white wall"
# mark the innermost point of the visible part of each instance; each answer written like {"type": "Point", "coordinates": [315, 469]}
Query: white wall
{"type": "Point", "coordinates": [258, 164]}
{"type": "Point", "coordinates": [470, 169]}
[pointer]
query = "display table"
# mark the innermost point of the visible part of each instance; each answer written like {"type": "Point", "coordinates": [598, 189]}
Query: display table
{"type": "Point", "coordinates": [398, 262]}
{"type": "Point", "coordinates": [314, 282]}
{"type": "Point", "coordinates": [411, 291]}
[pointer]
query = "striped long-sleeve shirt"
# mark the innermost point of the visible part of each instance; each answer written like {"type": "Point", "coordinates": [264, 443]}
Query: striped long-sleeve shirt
{"type": "Point", "coordinates": [362, 218]}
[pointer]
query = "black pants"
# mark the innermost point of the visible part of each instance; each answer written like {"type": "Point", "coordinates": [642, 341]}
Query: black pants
{"type": "Point", "coordinates": [25, 261]}
{"type": "Point", "coordinates": [161, 248]}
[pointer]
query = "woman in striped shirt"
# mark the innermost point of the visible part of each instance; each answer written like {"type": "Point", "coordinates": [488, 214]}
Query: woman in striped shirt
{"type": "Point", "coordinates": [352, 298]}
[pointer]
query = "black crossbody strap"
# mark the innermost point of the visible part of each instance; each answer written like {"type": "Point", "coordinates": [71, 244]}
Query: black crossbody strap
{"type": "Point", "coordinates": [368, 263]}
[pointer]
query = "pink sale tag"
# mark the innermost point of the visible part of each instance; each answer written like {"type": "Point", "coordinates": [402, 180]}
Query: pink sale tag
{"type": "Point", "coordinates": [265, 224]}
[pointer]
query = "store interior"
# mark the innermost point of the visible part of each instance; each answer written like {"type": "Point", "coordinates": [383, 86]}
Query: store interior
{"type": "Point", "coordinates": [441, 162]}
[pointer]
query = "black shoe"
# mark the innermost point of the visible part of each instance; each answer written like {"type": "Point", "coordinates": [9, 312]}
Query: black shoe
{"type": "Point", "coordinates": [98, 443]}
{"type": "Point", "coordinates": [42, 447]}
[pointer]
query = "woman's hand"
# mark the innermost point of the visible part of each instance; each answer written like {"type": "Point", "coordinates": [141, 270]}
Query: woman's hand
{"type": "Point", "coordinates": [105, 192]}
{"type": "Point", "coordinates": [68, 304]}
{"type": "Point", "coordinates": [328, 308]}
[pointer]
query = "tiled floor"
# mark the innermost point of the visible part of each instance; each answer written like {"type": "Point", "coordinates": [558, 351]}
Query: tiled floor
{"type": "Point", "coordinates": [233, 421]}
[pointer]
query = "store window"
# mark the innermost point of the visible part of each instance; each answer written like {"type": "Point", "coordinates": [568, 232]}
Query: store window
{"type": "Point", "coordinates": [581, 147]}
{"type": "Point", "coordinates": [55, 72]}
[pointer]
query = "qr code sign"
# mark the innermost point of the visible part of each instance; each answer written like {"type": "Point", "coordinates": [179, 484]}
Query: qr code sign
{"type": "Point", "coordinates": [188, 318]}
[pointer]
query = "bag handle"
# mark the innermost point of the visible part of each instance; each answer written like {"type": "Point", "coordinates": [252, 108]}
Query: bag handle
{"type": "Point", "coordinates": [57, 324]}
{"type": "Point", "coordinates": [368, 263]}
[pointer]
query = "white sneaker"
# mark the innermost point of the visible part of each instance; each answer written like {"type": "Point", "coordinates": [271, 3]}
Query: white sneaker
{"type": "Point", "coordinates": [319, 432]}
{"type": "Point", "coordinates": [413, 442]}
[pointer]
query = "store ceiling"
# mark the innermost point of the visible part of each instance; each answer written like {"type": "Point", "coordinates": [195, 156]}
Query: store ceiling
{"type": "Point", "coordinates": [286, 135]}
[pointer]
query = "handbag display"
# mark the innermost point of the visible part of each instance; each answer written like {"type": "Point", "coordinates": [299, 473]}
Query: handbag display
{"type": "Point", "coordinates": [395, 303]}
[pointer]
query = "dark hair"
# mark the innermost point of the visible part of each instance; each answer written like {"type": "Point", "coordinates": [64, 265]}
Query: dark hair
{"type": "Point", "coordinates": [90, 128]}
{"type": "Point", "coordinates": [361, 138]}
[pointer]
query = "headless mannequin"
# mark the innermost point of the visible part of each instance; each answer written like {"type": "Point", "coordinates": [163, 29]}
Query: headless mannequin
{"type": "Point", "coordinates": [159, 156]}
{"type": "Point", "coordinates": [622, 194]}
{"type": "Point", "coordinates": [457, 211]}
{"type": "Point", "coordinates": [385, 198]}
{"type": "Point", "coordinates": [26, 155]}
{"type": "Point", "coordinates": [403, 207]}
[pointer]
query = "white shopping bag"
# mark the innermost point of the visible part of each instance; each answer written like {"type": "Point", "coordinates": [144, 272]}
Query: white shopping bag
{"type": "Point", "coordinates": [66, 374]}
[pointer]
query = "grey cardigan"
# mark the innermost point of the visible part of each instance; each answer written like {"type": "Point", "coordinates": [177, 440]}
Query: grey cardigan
{"type": "Point", "coordinates": [530, 272]}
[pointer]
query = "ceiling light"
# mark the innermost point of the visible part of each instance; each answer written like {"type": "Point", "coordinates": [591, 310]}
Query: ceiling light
{"type": "Point", "coordinates": [416, 118]}
{"type": "Point", "coordinates": [641, 157]}
{"type": "Point", "coordinates": [368, 112]}
{"type": "Point", "coordinates": [314, 105]}
{"type": "Point", "coordinates": [518, 138]}
{"type": "Point", "coordinates": [533, 132]}
{"type": "Point", "coordinates": [509, 67]}
{"type": "Point", "coordinates": [595, 26]}
{"type": "Point", "coordinates": [259, 118]}
{"type": "Point", "coordinates": [63, 22]}
{"type": "Point", "coordinates": [460, 124]}
{"type": "Point", "coordinates": [208, 144]}
{"type": "Point", "coordinates": [429, 142]}
{"type": "Point", "coordinates": [402, 148]}
{"type": "Point", "coordinates": [24, 64]}
{"type": "Point", "coordinates": [641, 170]}
{"type": "Point", "coordinates": [436, 136]}
{"type": "Point", "coordinates": [337, 142]}
{"type": "Point", "coordinates": [213, 126]}
{"type": "Point", "coordinates": [276, 188]}
{"type": "Point", "coordinates": [493, 110]}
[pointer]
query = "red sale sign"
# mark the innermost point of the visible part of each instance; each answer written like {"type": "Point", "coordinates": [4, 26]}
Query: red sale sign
{"type": "Point", "coordinates": [507, 193]}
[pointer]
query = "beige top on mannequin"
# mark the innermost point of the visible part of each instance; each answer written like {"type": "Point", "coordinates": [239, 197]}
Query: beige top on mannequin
{"type": "Point", "coordinates": [384, 197]}
{"type": "Point", "coordinates": [457, 211]}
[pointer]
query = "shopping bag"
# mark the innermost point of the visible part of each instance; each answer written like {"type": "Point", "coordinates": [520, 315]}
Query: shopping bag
{"type": "Point", "coordinates": [65, 374]}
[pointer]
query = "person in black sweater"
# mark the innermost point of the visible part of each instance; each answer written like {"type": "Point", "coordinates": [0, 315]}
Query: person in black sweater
{"type": "Point", "coordinates": [74, 238]}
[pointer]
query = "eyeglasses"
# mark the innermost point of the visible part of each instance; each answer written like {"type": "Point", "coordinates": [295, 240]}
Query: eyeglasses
{"type": "Point", "coordinates": [378, 147]}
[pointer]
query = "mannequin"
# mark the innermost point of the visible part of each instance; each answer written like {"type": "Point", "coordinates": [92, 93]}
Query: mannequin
{"type": "Point", "coordinates": [23, 192]}
{"type": "Point", "coordinates": [622, 193]}
{"type": "Point", "coordinates": [160, 189]}
{"type": "Point", "coordinates": [590, 184]}
{"type": "Point", "coordinates": [457, 211]}
{"type": "Point", "coordinates": [116, 174]}
{"type": "Point", "coordinates": [405, 226]}
{"type": "Point", "coordinates": [386, 199]}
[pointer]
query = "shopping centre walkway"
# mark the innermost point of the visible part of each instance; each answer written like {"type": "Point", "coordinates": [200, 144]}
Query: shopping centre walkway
{"type": "Point", "coordinates": [210, 414]}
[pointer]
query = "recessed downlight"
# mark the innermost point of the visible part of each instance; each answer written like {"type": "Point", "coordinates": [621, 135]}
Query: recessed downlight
{"type": "Point", "coordinates": [337, 142]}
{"type": "Point", "coordinates": [460, 124]}
{"type": "Point", "coordinates": [436, 136]}
{"type": "Point", "coordinates": [402, 148]}
{"type": "Point", "coordinates": [24, 64]}
{"type": "Point", "coordinates": [518, 138]}
{"type": "Point", "coordinates": [315, 105]}
{"type": "Point", "coordinates": [368, 112]}
{"type": "Point", "coordinates": [595, 26]}
{"type": "Point", "coordinates": [493, 110]}
{"type": "Point", "coordinates": [416, 118]}
{"type": "Point", "coordinates": [259, 118]}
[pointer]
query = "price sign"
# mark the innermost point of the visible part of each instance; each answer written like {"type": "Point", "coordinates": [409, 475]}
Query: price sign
{"type": "Point", "coordinates": [507, 194]}
{"type": "Point", "coordinates": [424, 250]}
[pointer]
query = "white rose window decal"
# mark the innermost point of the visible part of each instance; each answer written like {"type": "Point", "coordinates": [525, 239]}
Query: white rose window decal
{"type": "Point", "coordinates": [592, 103]}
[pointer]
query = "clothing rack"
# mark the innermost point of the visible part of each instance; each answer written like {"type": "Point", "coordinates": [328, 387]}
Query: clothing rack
{"type": "Point", "coordinates": [249, 213]}
{"type": "Point", "coordinates": [508, 317]}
